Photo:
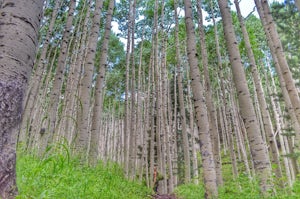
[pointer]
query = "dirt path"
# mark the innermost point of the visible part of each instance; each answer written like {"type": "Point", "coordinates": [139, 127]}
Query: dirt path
{"type": "Point", "coordinates": [164, 196]}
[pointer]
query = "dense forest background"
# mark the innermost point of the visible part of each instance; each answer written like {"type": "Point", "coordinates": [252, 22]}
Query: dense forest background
{"type": "Point", "coordinates": [170, 100]}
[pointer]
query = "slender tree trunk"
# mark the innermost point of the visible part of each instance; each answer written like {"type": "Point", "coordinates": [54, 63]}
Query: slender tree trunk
{"type": "Point", "coordinates": [20, 23]}
{"type": "Point", "coordinates": [277, 50]}
{"type": "Point", "coordinates": [168, 170]}
{"type": "Point", "coordinates": [209, 98]}
{"type": "Point", "coordinates": [240, 137]}
{"type": "Point", "coordinates": [278, 124]}
{"type": "Point", "coordinates": [37, 120]}
{"type": "Point", "coordinates": [209, 172]}
{"type": "Point", "coordinates": [127, 111]}
{"type": "Point", "coordinates": [174, 133]}
{"type": "Point", "coordinates": [142, 116]}
{"type": "Point", "coordinates": [186, 145]}
{"type": "Point", "coordinates": [153, 115]}
{"type": "Point", "coordinates": [257, 146]}
{"type": "Point", "coordinates": [221, 77]}
{"type": "Point", "coordinates": [267, 123]}
{"type": "Point", "coordinates": [59, 76]}
{"type": "Point", "coordinates": [97, 111]}
{"type": "Point", "coordinates": [36, 78]}
{"type": "Point", "coordinates": [294, 122]}
{"type": "Point", "coordinates": [231, 131]}
{"type": "Point", "coordinates": [133, 95]}
{"type": "Point", "coordinates": [82, 136]}
{"type": "Point", "coordinates": [193, 132]}
{"type": "Point", "coordinates": [72, 90]}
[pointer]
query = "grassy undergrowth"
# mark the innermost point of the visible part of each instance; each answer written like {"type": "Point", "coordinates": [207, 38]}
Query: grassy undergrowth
{"type": "Point", "coordinates": [242, 187]}
{"type": "Point", "coordinates": [58, 176]}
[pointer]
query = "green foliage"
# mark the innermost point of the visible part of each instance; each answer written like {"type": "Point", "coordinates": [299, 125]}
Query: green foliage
{"type": "Point", "coordinates": [58, 176]}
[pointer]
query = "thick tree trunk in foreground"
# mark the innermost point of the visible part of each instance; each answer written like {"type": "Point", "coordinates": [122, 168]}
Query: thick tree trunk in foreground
{"type": "Point", "coordinates": [209, 172]}
{"type": "Point", "coordinates": [257, 146]}
{"type": "Point", "coordinates": [20, 22]}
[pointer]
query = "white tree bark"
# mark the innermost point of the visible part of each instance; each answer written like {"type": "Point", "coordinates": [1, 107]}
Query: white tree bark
{"type": "Point", "coordinates": [20, 21]}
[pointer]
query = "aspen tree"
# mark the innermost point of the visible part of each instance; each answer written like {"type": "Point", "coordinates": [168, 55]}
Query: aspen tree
{"type": "Point", "coordinates": [133, 95]}
{"type": "Point", "coordinates": [186, 145]}
{"type": "Point", "coordinates": [82, 134]}
{"type": "Point", "coordinates": [209, 172]}
{"type": "Point", "coordinates": [267, 123]}
{"type": "Point", "coordinates": [59, 76]}
{"type": "Point", "coordinates": [20, 23]}
{"type": "Point", "coordinates": [97, 110]}
{"type": "Point", "coordinates": [167, 170]}
{"type": "Point", "coordinates": [277, 51]}
{"type": "Point", "coordinates": [127, 103]}
{"type": "Point", "coordinates": [35, 81]}
{"type": "Point", "coordinates": [209, 98]}
{"type": "Point", "coordinates": [257, 146]}
{"type": "Point", "coordinates": [69, 125]}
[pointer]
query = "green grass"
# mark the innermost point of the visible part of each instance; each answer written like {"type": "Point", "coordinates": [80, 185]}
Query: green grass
{"type": "Point", "coordinates": [190, 191]}
{"type": "Point", "coordinates": [241, 187]}
{"type": "Point", "coordinates": [60, 177]}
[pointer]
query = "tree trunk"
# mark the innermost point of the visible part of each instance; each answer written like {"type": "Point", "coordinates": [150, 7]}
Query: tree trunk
{"type": "Point", "coordinates": [36, 78]}
{"type": "Point", "coordinates": [209, 172]}
{"type": "Point", "coordinates": [86, 85]}
{"type": "Point", "coordinates": [267, 123]}
{"type": "Point", "coordinates": [71, 93]}
{"type": "Point", "coordinates": [277, 50]}
{"type": "Point", "coordinates": [193, 132]}
{"type": "Point", "coordinates": [127, 104]}
{"type": "Point", "coordinates": [133, 95]}
{"type": "Point", "coordinates": [186, 145]}
{"type": "Point", "coordinates": [20, 22]}
{"type": "Point", "coordinates": [168, 170]}
{"type": "Point", "coordinates": [97, 111]}
{"type": "Point", "coordinates": [257, 146]}
{"type": "Point", "coordinates": [59, 76]}
{"type": "Point", "coordinates": [278, 123]}
{"type": "Point", "coordinates": [209, 97]}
